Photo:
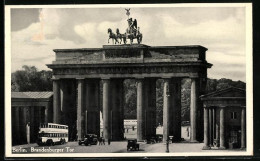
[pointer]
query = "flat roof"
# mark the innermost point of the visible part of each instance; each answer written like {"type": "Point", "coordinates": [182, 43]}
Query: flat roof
{"type": "Point", "coordinates": [32, 95]}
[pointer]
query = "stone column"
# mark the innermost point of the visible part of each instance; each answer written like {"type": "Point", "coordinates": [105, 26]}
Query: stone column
{"type": "Point", "coordinates": [210, 126]}
{"type": "Point", "coordinates": [65, 99]}
{"type": "Point", "coordinates": [46, 113]}
{"type": "Point", "coordinates": [17, 125]}
{"type": "Point", "coordinates": [32, 124]}
{"type": "Point", "coordinates": [166, 109]}
{"type": "Point", "coordinates": [56, 101]}
{"type": "Point", "coordinates": [106, 110]}
{"type": "Point", "coordinates": [24, 122]}
{"type": "Point", "coordinates": [222, 127]}
{"type": "Point", "coordinates": [140, 111]}
{"type": "Point", "coordinates": [193, 109]}
{"type": "Point", "coordinates": [121, 109]}
{"type": "Point", "coordinates": [40, 114]}
{"type": "Point", "coordinates": [202, 89]}
{"type": "Point", "coordinates": [213, 125]}
{"type": "Point", "coordinates": [217, 133]}
{"type": "Point", "coordinates": [86, 122]}
{"type": "Point", "coordinates": [206, 129]}
{"type": "Point", "coordinates": [80, 99]}
{"type": "Point", "coordinates": [243, 128]}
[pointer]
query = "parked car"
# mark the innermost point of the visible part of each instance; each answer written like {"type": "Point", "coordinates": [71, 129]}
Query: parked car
{"type": "Point", "coordinates": [132, 144]}
{"type": "Point", "coordinates": [89, 139]}
{"type": "Point", "coordinates": [84, 141]}
{"type": "Point", "coordinates": [151, 140]}
{"type": "Point", "coordinates": [159, 138]}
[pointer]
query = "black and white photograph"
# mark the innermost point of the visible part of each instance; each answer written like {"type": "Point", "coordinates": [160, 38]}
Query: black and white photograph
{"type": "Point", "coordinates": [126, 80]}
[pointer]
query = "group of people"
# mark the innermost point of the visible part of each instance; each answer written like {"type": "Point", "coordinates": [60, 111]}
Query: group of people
{"type": "Point", "coordinates": [101, 141]}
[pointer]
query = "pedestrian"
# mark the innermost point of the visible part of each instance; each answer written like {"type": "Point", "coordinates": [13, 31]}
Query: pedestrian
{"type": "Point", "coordinates": [103, 140]}
{"type": "Point", "coordinates": [188, 132]}
{"type": "Point", "coordinates": [167, 145]}
{"type": "Point", "coordinates": [108, 141]}
{"type": "Point", "coordinates": [100, 141]}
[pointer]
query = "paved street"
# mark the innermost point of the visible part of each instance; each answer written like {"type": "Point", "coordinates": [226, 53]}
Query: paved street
{"type": "Point", "coordinates": [114, 147]}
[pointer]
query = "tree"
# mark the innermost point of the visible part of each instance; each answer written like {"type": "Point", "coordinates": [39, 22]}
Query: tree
{"type": "Point", "coordinates": [30, 79]}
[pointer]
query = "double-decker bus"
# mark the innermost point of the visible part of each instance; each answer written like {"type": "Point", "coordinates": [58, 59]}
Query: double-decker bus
{"type": "Point", "coordinates": [51, 134]}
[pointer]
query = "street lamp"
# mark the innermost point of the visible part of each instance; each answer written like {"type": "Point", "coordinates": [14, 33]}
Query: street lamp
{"type": "Point", "coordinates": [167, 145]}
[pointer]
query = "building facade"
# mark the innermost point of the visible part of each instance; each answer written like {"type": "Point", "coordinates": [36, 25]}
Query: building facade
{"type": "Point", "coordinates": [87, 81]}
{"type": "Point", "coordinates": [225, 119]}
{"type": "Point", "coordinates": [29, 109]}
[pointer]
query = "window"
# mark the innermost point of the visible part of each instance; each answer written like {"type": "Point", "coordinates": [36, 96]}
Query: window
{"type": "Point", "coordinates": [233, 115]}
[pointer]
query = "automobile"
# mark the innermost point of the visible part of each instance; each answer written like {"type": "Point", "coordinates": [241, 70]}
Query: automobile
{"type": "Point", "coordinates": [159, 138]}
{"type": "Point", "coordinates": [151, 140]}
{"type": "Point", "coordinates": [132, 144]}
{"type": "Point", "coordinates": [89, 139]}
{"type": "Point", "coordinates": [84, 141]}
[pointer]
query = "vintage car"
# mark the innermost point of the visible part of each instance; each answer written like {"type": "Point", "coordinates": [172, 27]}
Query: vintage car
{"type": "Point", "coordinates": [151, 140]}
{"type": "Point", "coordinates": [89, 139]}
{"type": "Point", "coordinates": [159, 138]}
{"type": "Point", "coordinates": [132, 144]}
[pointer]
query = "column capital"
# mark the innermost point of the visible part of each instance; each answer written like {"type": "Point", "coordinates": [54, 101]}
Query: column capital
{"type": "Point", "coordinates": [139, 78]}
{"type": "Point", "coordinates": [55, 79]}
{"type": "Point", "coordinates": [105, 80]}
{"type": "Point", "coordinates": [80, 80]}
{"type": "Point", "coordinates": [194, 77]}
{"type": "Point", "coordinates": [165, 79]}
{"type": "Point", "coordinates": [222, 107]}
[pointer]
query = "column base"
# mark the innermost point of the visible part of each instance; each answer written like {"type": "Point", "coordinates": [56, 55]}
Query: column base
{"type": "Point", "coordinates": [243, 148]}
{"type": "Point", "coordinates": [194, 141]}
{"type": "Point", "coordinates": [222, 148]}
{"type": "Point", "coordinates": [206, 148]}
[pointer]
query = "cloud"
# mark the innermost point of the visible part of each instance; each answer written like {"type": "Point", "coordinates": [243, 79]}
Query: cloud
{"type": "Point", "coordinates": [22, 18]}
{"type": "Point", "coordinates": [221, 30]}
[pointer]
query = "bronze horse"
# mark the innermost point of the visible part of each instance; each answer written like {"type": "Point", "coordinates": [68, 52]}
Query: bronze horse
{"type": "Point", "coordinates": [112, 36]}
{"type": "Point", "coordinates": [121, 36]}
{"type": "Point", "coordinates": [138, 36]}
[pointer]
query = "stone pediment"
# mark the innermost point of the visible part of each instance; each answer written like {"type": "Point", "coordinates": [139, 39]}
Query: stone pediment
{"type": "Point", "coordinates": [231, 92]}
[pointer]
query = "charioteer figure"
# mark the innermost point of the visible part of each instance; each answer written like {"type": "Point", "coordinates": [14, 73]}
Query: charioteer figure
{"type": "Point", "coordinates": [132, 26]}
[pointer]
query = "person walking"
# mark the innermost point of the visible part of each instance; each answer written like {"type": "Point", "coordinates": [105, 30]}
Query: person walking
{"type": "Point", "coordinates": [108, 141]}
{"type": "Point", "coordinates": [99, 141]}
{"type": "Point", "coordinates": [103, 140]}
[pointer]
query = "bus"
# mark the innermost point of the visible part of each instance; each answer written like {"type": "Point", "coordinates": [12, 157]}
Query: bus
{"type": "Point", "coordinates": [51, 134]}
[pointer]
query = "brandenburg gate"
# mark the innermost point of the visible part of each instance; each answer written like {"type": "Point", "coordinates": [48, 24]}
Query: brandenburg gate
{"type": "Point", "coordinates": [89, 80]}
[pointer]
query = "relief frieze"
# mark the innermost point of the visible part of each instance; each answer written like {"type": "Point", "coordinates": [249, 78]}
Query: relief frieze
{"type": "Point", "coordinates": [125, 70]}
{"type": "Point", "coordinates": [131, 53]}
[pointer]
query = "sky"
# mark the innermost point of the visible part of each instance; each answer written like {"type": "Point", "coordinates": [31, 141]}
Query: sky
{"type": "Point", "coordinates": [36, 32]}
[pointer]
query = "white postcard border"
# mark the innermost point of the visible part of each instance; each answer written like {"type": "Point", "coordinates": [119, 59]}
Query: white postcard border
{"type": "Point", "coordinates": [249, 83]}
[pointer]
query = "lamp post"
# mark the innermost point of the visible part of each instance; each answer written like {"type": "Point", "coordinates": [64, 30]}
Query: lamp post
{"type": "Point", "coordinates": [167, 145]}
